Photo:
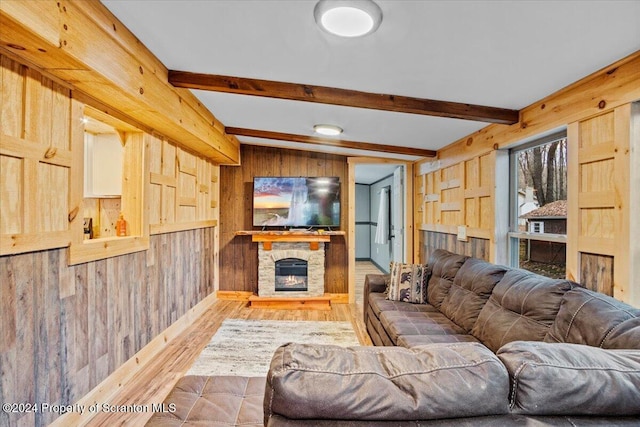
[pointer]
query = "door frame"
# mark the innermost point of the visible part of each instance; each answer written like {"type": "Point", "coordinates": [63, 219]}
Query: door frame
{"type": "Point", "coordinates": [401, 247]}
{"type": "Point", "coordinates": [351, 221]}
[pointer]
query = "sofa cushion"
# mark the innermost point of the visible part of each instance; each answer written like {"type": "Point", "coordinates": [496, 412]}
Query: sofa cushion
{"type": "Point", "coordinates": [221, 400]}
{"type": "Point", "coordinates": [398, 323]}
{"type": "Point", "coordinates": [572, 379]}
{"type": "Point", "coordinates": [382, 383]}
{"type": "Point", "coordinates": [471, 289]}
{"type": "Point", "coordinates": [522, 307]}
{"type": "Point", "coordinates": [408, 283]}
{"type": "Point", "coordinates": [444, 266]}
{"type": "Point", "coordinates": [624, 335]}
{"type": "Point", "coordinates": [592, 318]}
{"type": "Point", "coordinates": [410, 341]}
{"type": "Point", "coordinates": [379, 303]}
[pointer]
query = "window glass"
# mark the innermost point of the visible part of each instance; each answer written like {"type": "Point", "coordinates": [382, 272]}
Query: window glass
{"type": "Point", "coordinates": [539, 206]}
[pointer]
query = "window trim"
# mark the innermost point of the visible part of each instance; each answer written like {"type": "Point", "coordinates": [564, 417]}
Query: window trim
{"type": "Point", "coordinates": [544, 237]}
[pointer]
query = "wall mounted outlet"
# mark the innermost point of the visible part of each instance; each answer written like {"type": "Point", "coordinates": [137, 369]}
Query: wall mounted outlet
{"type": "Point", "coordinates": [462, 233]}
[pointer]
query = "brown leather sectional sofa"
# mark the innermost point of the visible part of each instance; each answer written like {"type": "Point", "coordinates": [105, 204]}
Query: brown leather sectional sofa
{"type": "Point", "coordinates": [492, 347]}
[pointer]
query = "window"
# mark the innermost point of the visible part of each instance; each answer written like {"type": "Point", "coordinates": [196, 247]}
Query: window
{"type": "Point", "coordinates": [538, 220]}
{"type": "Point", "coordinates": [536, 227]}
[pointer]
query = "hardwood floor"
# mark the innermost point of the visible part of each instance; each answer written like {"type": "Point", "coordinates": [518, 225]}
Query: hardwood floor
{"type": "Point", "coordinates": [154, 381]}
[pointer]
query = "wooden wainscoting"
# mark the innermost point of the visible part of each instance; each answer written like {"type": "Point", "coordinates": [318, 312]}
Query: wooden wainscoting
{"type": "Point", "coordinates": [431, 240]}
{"type": "Point", "coordinates": [56, 347]}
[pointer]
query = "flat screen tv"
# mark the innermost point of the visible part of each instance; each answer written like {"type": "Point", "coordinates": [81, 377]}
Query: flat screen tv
{"type": "Point", "coordinates": [296, 202]}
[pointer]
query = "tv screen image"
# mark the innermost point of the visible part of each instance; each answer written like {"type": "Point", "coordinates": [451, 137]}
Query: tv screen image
{"type": "Point", "coordinates": [296, 201]}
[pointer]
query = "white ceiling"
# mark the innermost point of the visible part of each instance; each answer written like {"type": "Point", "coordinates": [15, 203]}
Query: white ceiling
{"type": "Point", "coordinates": [505, 54]}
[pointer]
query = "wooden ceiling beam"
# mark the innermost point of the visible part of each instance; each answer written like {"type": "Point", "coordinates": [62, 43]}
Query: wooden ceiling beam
{"type": "Point", "coordinates": [343, 97]}
{"type": "Point", "coordinates": [255, 133]}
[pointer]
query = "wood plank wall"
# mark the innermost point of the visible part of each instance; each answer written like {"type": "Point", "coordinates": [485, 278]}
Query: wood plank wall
{"type": "Point", "coordinates": [599, 270]}
{"type": "Point", "coordinates": [183, 188]}
{"type": "Point", "coordinates": [238, 255]}
{"type": "Point", "coordinates": [598, 238]}
{"type": "Point", "coordinates": [461, 194]}
{"type": "Point", "coordinates": [55, 349]}
{"type": "Point", "coordinates": [429, 241]}
{"type": "Point", "coordinates": [64, 329]}
{"type": "Point", "coordinates": [35, 160]}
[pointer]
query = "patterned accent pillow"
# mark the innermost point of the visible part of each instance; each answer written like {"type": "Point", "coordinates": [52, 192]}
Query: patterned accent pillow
{"type": "Point", "coordinates": [408, 283]}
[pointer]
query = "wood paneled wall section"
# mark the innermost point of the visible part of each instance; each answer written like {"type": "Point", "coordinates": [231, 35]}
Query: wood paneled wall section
{"type": "Point", "coordinates": [599, 270]}
{"type": "Point", "coordinates": [238, 255]}
{"type": "Point", "coordinates": [64, 329]}
{"type": "Point", "coordinates": [35, 160]}
{"type": "Point", "coordinates": [461, 194]}
{"type": "Point", "coordinates": [598, 240]}
{"type": "Point", "coordinates": [184, 188]}
{"type": "Point", "coordinates": [429, 241]}
{"type": "Point", "coordinates": [55, 349]}
{"type": "Point", "coordinates": [600, 193]}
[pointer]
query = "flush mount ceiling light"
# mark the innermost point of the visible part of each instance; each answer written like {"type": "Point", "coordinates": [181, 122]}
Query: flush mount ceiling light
{"type": "Point", "coordinates": [328, 130]}
{"type": "Point", "coordinates": [348, 18]}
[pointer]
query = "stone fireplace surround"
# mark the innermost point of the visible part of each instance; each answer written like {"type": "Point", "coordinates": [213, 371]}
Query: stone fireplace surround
{"type": "Point", "coordinates": [281, 250]}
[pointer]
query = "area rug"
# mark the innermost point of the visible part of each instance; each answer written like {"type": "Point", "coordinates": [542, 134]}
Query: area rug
{"type": "Point", "coordinates": [244, 347]}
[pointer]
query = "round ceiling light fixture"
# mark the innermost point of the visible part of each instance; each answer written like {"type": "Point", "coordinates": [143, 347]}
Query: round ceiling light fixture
{"type": "Point", "coordinates": [327, 130]}
{"type": "Point", "coordinates": [348, 18]}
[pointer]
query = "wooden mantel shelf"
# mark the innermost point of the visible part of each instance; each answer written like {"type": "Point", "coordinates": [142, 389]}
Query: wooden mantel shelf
{"type": "Point", "coordinates": [290, 238]}
{"type": "Point", "coordinates": [269, 237]}
{"type": "Point", "coordinates": [289, 233]}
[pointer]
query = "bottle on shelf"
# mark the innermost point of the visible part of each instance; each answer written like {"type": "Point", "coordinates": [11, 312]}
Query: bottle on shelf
{"type": "Point", "coordinates": [121, 226]}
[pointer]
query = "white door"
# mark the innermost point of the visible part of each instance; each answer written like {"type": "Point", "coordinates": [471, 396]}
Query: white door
{"type": "Point", "coordinates": [397, 215]}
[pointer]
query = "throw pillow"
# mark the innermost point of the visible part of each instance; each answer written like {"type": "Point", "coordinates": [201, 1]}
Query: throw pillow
{"type": "Point", "coordinates": [408, 283]}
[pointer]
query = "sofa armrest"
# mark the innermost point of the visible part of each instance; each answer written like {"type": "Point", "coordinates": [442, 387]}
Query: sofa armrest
{"type": "Point", "coordinates": [375, 283]}
{"type": "Point", "coordinates": [572, 379]}
{"type": "Point", "coordinates": [307, 381]}
{"type": "Point", "coordinates": [372, 283]}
